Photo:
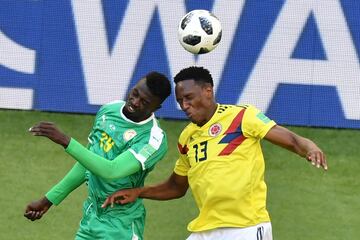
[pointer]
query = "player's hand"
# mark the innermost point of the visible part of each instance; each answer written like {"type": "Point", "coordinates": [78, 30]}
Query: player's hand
{"type": "Point", "coordinates": [35, 210]}
{"type": "Point", "coordinates": [122, 197]}
{"type": "Point", "coordinates": [317, 158]}
{"type": "Point", "coordinates": [49, 130]}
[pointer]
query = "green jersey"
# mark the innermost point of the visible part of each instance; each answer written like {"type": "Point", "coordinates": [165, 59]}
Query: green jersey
{"type": "Point", "coordinates": [113, 141]}
{"type": "Point", "coordinates": [113, 134]}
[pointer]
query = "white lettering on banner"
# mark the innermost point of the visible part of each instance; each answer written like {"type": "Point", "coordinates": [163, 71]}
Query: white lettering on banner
{"type": "Point", "coordinates": [16, 98]}
{"type": "Point", "coordinates": [15, 56]}
{"type": "Point", "coordinates": [21, 59]}
{"type": "Point", "coordinates": [116, 68]}
{"type": "Point", "coordinates": [274, 66]}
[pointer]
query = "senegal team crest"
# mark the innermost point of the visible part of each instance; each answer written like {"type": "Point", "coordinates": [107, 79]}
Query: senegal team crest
{"type": "Point", "coordinates": [129, 134]}
{"type": "Point", "coordinates": [215, 129]}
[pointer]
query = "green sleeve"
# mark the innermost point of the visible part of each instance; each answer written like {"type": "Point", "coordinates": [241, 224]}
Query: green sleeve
{"type": "Point", "coordinates": [73, 179]}
{"type": "Point", "coordinates": [123, 165]}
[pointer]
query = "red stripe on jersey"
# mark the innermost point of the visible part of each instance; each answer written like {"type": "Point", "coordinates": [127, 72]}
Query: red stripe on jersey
{"type": "Point", "coordinates": [183, 149]}
{"type": "Point", "coordinates": [236, 122]}
{"type": "Point", "coordinates": [232, 145]}
{"type": "Point", "coordinates": [235, 127]}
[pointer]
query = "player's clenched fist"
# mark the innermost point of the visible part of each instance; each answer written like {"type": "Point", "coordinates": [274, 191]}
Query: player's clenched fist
{"type": "Point", "coordinates": [35, 210]}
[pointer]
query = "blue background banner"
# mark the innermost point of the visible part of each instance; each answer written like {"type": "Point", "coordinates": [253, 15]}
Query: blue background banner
{"type": "Point", "coordinates": [298, 61]}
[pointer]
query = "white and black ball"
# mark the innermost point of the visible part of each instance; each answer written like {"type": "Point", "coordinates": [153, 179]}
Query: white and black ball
{"type": "Point", "coordinates": [199, 31]}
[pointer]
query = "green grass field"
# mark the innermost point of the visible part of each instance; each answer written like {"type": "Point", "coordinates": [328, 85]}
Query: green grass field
{"type": "Point", "coordinates": [304, 202]}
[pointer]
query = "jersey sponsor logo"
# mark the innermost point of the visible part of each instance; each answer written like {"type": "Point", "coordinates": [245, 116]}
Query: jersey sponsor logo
{"type": "Point", "coordinates": [103, 121]}
{"type": "Point", "coordinates": [129, 134]}
{"type": "Point", "coordinates": [215, 129]}
{"type": "Point", "coordinates": [263, 118]}
{"type": "Point", "coordinates": [112, 127]}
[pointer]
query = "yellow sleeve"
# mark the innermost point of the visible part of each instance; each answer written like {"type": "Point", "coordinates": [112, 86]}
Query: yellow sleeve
{"type": "Point", "coordinates": [182, 165]}
{"type": "Point", "coordinates": [255, 123]}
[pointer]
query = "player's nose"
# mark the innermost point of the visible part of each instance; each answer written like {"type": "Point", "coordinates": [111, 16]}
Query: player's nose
{"type": "Point", "coordinates": [136, 102]}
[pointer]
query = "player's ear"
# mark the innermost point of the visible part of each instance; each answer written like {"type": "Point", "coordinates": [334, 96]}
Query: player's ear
{"type": "Point", "coordinates": [209, 91]}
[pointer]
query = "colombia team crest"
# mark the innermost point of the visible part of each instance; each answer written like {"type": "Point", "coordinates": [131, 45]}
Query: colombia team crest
{"type": "Point", "coordinates": [129, 134]}
{"type": "Point", "coordinates": [215, 129]}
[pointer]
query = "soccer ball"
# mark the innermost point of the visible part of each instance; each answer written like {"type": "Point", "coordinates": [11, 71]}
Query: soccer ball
{"type": "Point", "coordinates": [199, 31]}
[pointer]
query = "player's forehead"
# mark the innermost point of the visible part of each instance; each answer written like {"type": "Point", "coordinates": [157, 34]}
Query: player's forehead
{"type": "Point", "coordinates": [142, 89]}
{"type": "Point", "coordinates": [187, 86]}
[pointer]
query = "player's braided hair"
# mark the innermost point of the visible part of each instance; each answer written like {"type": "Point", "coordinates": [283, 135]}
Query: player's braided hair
{"type": "Point", "coordinates": [158, 84]}
{"type": "Point", "coordinates": [198, 74]}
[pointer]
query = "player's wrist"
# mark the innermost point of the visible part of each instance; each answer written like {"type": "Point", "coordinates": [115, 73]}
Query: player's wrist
{"type": "Point", "coordinates": [46, 201]}
{"type": "Point", "coordinates": [140, 192]}
{"type": "Point", "coordinates": [65, 141]}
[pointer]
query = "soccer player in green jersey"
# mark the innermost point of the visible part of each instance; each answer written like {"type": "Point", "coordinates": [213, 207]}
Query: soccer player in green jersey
{"type": "Point", "coordinates": [125, 143]}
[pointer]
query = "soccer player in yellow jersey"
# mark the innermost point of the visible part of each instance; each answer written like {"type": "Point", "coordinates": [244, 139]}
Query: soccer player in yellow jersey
{"type": "Point", "coordinates": [220, 158]}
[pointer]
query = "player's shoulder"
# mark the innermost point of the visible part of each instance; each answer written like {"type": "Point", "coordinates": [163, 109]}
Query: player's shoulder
{"type": "Point", "coordinates": [226, 111]}
{"type": "Point", "coordinates": [156, 133]}
{"type": "Point", "coordinates": [152, 128]}
{"type": "Point", "coordinates": [156, 126]}
{"type": "Point", "coordinates": [228, 108]}
{"type": "Point", "coordinates": [255, 115]}
{"type": "Point", "coordinates": [114, 105]}
{"type": "Point", "coordinates": [250, 109]}
{"type": "Point", "coordinates": [243, 113]}
{"type": "Point", "coordinates": [186, 132]}
{"type": "Point", "coordinates": [245, 107]}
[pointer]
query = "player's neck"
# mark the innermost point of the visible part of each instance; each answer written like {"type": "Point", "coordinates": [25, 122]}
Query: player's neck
{"type": "Point", "coordinates": [135, 118]}
{"type": "Point", "coordinates": [212, 109]}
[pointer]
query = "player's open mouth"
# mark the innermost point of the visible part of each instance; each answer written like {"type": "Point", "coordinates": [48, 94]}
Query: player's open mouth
{"type": "Point", "coordinates": [130, 108]}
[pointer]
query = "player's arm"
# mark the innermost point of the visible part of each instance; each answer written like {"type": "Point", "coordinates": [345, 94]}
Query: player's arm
{"type": "Point", "coordinates": [73, 179]}
{"type": "Point", "coordinates": [123, 165]}
{"type": "Point", "coordinates": [174, 187]}
{"type": "Point", "coordinates": [302, 146]}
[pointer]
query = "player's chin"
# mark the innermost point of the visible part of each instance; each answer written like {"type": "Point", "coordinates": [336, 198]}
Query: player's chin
{"type": "Point", "coordinates": [129, 108]}
{"type": "Point", "coordinates": [193, 119]}
{"type": "Point", "coordinates": [134, 115]}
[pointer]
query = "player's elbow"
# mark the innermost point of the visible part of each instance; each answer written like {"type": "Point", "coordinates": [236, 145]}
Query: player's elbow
{"type": "Point", "coordinates": [178, 191]}
{"type": "Point", "coordinates": [108, 175]}
{"type": "Point", "coordinates": [181, 194]}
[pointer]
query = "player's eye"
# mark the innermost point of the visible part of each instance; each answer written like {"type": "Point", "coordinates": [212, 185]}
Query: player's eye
{"type": "Point", "coordinates": [188, 97]}
{"type": "Point", "coordinates": [135, 93]}
{"type": "Point", "coordinates": [144, 102]}
{"type": "Point", "coordinates": [179, 101]}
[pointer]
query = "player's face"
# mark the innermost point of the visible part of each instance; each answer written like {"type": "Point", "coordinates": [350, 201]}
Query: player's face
{"type": "Point", "coordinates": [195, 100]}
{"type": "Point", "coordinates": [141, 103]}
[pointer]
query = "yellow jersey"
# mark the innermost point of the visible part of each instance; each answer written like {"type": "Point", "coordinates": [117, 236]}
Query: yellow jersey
{"type": "Point", "coordinates": [225, 167]}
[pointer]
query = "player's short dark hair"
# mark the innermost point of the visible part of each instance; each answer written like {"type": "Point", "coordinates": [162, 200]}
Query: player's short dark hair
{"type": "Point", "coordinates": [158, 84]}
{"type": "Point", "coordinates": [199, 74]}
